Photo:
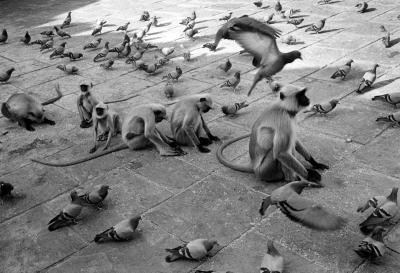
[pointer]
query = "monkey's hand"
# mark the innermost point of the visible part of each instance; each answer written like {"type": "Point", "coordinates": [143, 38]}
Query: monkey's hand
{"type": "Point", "coordinates": [313, 175]}
{"type": "Point", "coordinates": [179, 150]}
{"type": "Point", "coordinates": [214, 138]}
{"type": "Point", "coordinates": [318, 166]}
{"type": "Point", "coordinates": [93, 150]}
{"type": "Point", "coordinates": [203, 149]}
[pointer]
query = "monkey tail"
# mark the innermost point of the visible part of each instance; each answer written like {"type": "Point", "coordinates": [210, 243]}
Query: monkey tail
{"type": "Point", "coordinates": [85, 159]}
{"type": "Point", "coordinates": [53, 100]}
{"type": "Point", "coordinates": [121, 100]}
{"type": "Point", "coordinates": [229, 164]}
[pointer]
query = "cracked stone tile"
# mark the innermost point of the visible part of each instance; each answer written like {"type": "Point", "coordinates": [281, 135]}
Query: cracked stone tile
{"type": "Point", "coordinates": [32, 245]}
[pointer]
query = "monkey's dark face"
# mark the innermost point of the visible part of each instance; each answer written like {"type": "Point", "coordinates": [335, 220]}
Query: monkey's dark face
{"type": "Point", "coordinates": [100, 111]}
{"type": "Point", "coordinates": [302, 99]}
{"type": "Point", "coordinates": [84, 87]}
{"type": "Point", "coordinates": [159, 115]}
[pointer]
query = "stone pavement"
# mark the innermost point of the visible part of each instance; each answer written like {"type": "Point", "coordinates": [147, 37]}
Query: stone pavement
{"type": "Point", "coordinates": [193, 196]}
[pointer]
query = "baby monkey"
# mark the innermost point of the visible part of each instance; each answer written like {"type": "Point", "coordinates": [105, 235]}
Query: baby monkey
{"type": "Point", "coordinates": [86, 102]}
{"type": "Point", "coordinates": [109, 123]}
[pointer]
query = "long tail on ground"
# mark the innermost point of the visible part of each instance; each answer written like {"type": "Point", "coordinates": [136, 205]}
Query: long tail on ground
{"type": "Point", "coordinates": [78, 161]}
{"type": "Point", "coordinates": [53, 100]}
{"type": "Point", "coordinates": [229, 164]}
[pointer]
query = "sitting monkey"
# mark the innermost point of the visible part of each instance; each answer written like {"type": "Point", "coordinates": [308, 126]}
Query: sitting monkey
{"type": "Point", "coordinates": [86, 102]}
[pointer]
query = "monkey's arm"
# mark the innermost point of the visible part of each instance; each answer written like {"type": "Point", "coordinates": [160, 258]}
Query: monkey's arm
{"type": "Point", "coordinates": [189, 129]}
{"type": "Point", "coordinates": [79, 104]}
{"type": "Point", "coordinates": [111, 126]}
{"type": "Point", "coordinates": [207, 130]}
{"type": "Point", "coordinates": [307, 156]}
{"type": "Point", "coordinates": [96, 123]}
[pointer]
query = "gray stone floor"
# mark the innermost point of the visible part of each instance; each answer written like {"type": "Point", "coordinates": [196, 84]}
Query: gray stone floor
{"type": "Point", "coordinates": [193, 196]}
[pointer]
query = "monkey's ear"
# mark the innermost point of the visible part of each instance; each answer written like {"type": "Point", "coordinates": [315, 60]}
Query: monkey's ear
{"type": "Point", "coordinates": [281, 96]}
{"type": "Point", "coordinates": [203, 99]}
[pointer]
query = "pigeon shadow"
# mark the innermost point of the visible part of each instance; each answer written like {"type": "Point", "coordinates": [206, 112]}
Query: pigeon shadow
{"type": "Point", "coordinates": [299, 16]}
{"type": "Point", "coordinates": [383, 83]}
{"type": "Point", "coordinates": [109, 25]}
{"type": "Point", "coordinates": [154, 33]}
{"type": "Point", "coordinates": [394, 42]}
{"type": "Point", "coordinates": [164, 24]}
{"type": "Point", "coordinates": [393, 54]}
{"type": "Point", "coordinates": [369, 10]}
{"type": "Point", "coordinates": [329, 30]}
{"type": "Point", "coordinates": [322, 3]}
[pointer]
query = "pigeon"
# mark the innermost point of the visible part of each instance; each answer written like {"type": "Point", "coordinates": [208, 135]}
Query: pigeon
{"type": "Point", "coordinates": [149, 68]}
{"type": "Point", "coordinates": [155, 21]}
{"type": "Point", "coordinates": [386, 40]}
{"type": "Point", "coordinates": [3, 36]}
{"type": "Point", "coordinates": [95, 197]}
{"type": "Point", "coordinates": [40, 42]}
{"type": "Point", "coordinates": [73, 56]}
{"type": "Point", "coordinates": [232, 82]}
{"type": "Point", "coordinates": [295, 22]}
{"type": "Point", "coordinates": [123, 231]}
{"type": "Point", "coordinates": [194, 250]}
{"type": "Point", "coordinates": [324, 108]}
{"type": "Point", "coordinates": [125, 53]}
{"type": "Point", "coordinates": [395, 117]}
{"type": "Point", "coordinates": [119, 47]}
{"type": "Point", "coordinates": [376, 201]}
{"type": "Point", "coordinates": [278, 6]}
{"type": "Point", "coordinates": [103, 53]}
{"type": "Point", "coordinates": [5, 189]}
{"type": "Point", "coordinates": [259, 39]}
{"type": "Point", "coordinates": [187, 20]}
{"type": "Point", "coordinates": [316, 27]}
{"type": "Point", "coordinates": [191, 32]}
{"type": "Point", "coordinates": [166, 51]}
{"type": "Point", "coordinates": [392, 98]}
{"type": "Point", "coordinates": [145, 16]}
{"type": "Point", "coordinates": [61, 33]}
{"type": "Point", "coordinates": [190, 26]}
{"type": "Point", "coordinates": [48, 33]}
{"type": "Point", "coordinates": [108, 64]}
{"type": "Point", "coordinates": [258, 4]}
{"type": "Point", "coordinates": [69, 69]}
{"type": "Point", "coordinates": [174, 76]}
{"type": "Point", "coordinates": [382, 28]}
{"type": "Point", "coordinates": [93, 44]}
{"type": "Point", "coordinates": [186, 56]}
{"type": "Point", "coordinates": [226, 17]}
{"type": "Point", "coordinates": [274, 85]}
{"type": "Point", "coordinates": [68, 214]}
{"type": "Point", "coordinates": [372, 246]}
{"type": "Point", "coordinates": [362, 7]}
{"type": "Point", "coordinates": [272, 261]}
{"type": "Point", "coordinates": [169, 90]}
{"type": "Point", "coordinates": [226, 66]}
{"type": "Point", "coordinates": [161, 61]}
{"type": "Point", "coordinates": [210, 46]}
{"type": "Point", "coordinates": [5, 76]}
{"type": "Point", "coordinates": [368, 79]}
{"type": "Point", "coordinates": [343, 70]}
{"type": "Point", "coordinates": [231, 110]}
{"type": "Point", "coordinates": [59, 51]}
{"type": "Point", "coordinates": [99, 27]}
{"type": "Point", "coordinates": [300, 210]}
{"type": "Point", "coordinates": [48, 45]}
{"type": "Point", "coordinates": [67, 21]}
{"type": "Point", "coordinates": [137, 56]}
{"type": "Point", "coordinates": [26, 39]}
{"type": "Point", "coordinates": [384, 211]}
{"type": "Point", "coordinates": [289, 40]}
{"type": "Point", "coordinates": [123, 27]}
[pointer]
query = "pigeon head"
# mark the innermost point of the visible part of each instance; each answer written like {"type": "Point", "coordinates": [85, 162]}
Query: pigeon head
{"type": "Point", "coordinates": [334, 102]}
{"type": "Point", "coordinates": [292, 56]}
{"type": "Point", "coordinates": [9, 71]}
{"type": "Point", "coordinates": [349, 62]}
{"type": "Point", "coordinates": [237, 75]}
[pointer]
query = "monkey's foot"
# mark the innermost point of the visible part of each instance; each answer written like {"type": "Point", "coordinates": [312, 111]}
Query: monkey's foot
{"type": "Point", "coordinates": [86, 124]}
{"type": "Point", "coordinates": [205, 141]}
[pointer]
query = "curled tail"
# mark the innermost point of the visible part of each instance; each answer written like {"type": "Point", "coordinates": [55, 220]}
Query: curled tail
{"type": "Point", "coordinates": [229, 164]}
{"type": "Point", "coordinates": [88, 158]}
{"type": "Point", "coordinates": [53, 100]}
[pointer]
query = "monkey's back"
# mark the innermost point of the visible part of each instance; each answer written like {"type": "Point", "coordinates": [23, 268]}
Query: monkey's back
{"type": "Point", "coordinates": [20, 104]}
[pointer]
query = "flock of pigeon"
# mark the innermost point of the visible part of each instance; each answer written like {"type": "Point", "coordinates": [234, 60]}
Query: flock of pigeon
{"type": "Point", "coordinates": [385, 208]}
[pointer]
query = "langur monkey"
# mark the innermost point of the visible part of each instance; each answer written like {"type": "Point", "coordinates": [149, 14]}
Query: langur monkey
{"type": "Point", "coordinates": [273, 142]}
{"type": "Point", "coordinates": [109, 123]}
{"type": "Point", "coordinates": [138, 132]}
{"type": "Point", "coordinates": [26, 110]}
{"type": "Point", "coordinates": [86, 102]}
{"type": "Point", "coordinates": [188, 125]}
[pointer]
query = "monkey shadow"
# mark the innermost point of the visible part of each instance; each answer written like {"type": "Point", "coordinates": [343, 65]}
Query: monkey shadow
{"type": "Point", "coordinates": [13, 198]}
